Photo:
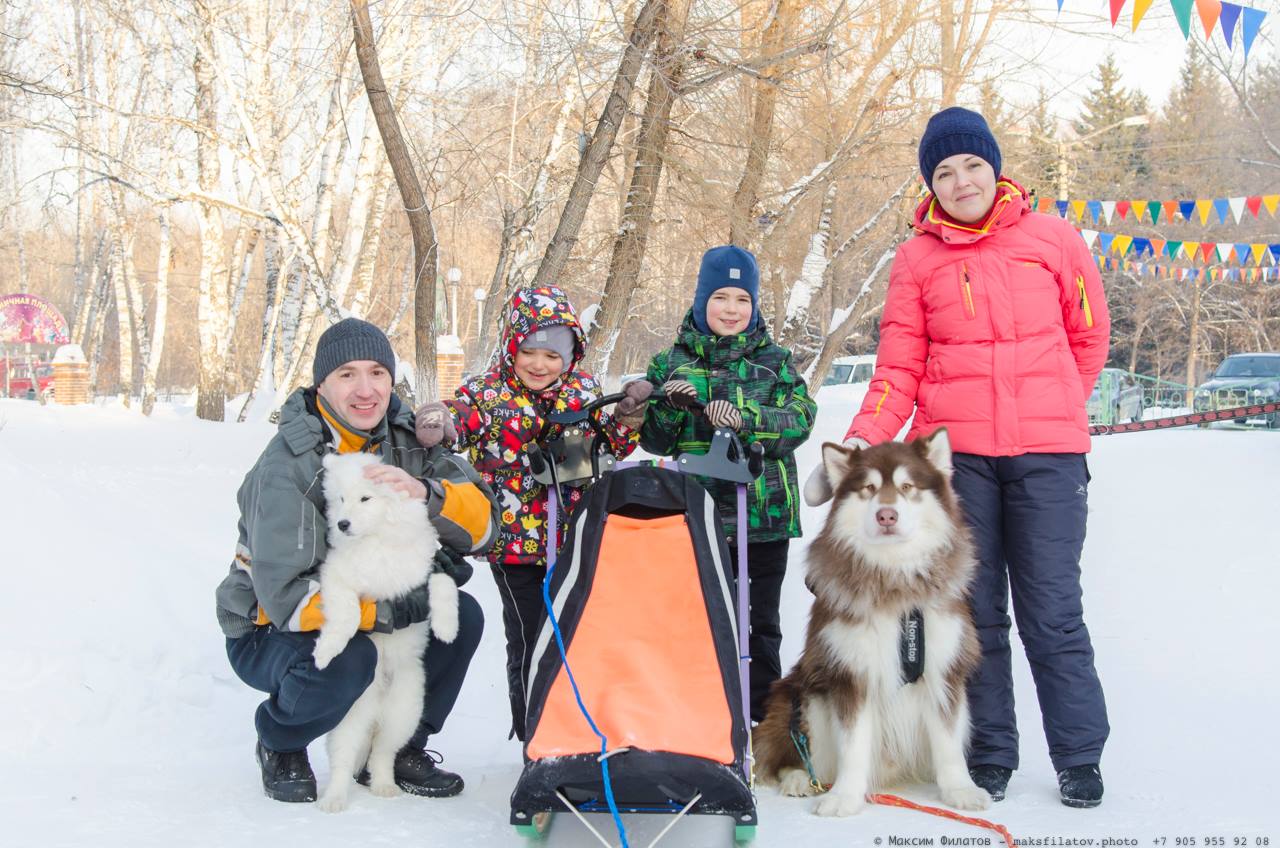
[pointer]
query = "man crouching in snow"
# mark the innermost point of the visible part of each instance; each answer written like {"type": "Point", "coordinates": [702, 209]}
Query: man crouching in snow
{"type": "Point", "coordinates": [269, 606]}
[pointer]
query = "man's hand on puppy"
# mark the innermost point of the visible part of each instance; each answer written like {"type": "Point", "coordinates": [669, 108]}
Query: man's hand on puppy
{"type": "Point", "coordinates": [397, 478]}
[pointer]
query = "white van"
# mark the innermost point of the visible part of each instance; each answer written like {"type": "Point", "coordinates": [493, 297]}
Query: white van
{"type": "Point", "coordinates": [851, 369]}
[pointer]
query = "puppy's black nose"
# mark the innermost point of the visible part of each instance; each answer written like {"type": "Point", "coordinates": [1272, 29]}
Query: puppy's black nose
{"type": "Point", "coordinates": [886, 516]}
{"type": "Point", "coordinates": [344, 525]}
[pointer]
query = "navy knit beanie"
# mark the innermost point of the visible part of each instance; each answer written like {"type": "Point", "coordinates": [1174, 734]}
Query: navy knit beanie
{"type": "Point", "coordinates": [956, 130]}
{"type": "Point", "coordinates": [727, 266]}
{"type": "Point", "coordinates": [351, 340]}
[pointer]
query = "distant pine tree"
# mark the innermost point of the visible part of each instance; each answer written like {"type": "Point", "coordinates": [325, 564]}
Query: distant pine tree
{"type": "Point", "coordinates": [1114, 159]}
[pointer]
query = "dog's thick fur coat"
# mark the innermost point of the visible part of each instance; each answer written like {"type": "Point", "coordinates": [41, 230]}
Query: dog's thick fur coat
{"type": "Point", "coordinates": [894, 541]}
{"type": "Point", "coordinates": [381, 545]}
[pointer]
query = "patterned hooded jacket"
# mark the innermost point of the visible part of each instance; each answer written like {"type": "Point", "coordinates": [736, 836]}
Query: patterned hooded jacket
{"type": "Point", "coordinates": [498, 417]}
{"type": "Point", "coordinates": [756, 375]}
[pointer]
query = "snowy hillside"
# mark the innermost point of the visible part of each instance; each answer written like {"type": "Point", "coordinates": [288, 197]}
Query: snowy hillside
{"type": "Point", "coordinates": [124, 726]}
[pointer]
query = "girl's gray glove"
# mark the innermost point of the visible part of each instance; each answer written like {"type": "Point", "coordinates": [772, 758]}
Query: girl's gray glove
{"type": "Point", "coordinates": [433, 424]}
{"type": "Point", "coordinates": [630, 410]}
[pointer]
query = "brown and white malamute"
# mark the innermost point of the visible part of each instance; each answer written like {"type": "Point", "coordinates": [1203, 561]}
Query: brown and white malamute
{"type": "Point", "coordinates": [879, 693]}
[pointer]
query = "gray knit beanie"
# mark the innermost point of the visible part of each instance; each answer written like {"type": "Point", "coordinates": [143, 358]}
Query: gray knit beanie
{"type": "Point", "coordinates": [557, 338]}
{"type": "Point", "coordinates": [351, 340]}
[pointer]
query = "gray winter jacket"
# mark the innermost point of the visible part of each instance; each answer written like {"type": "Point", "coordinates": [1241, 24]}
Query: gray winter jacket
{"type": "Point", "coordinates": [274, 576]}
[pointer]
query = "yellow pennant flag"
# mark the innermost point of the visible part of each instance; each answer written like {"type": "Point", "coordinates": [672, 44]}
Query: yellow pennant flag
{"type": "Point", "coordinates": [1140, 8]}
{"type": "Point", "coordinates": [1190, 249]}
{"type": "Point", "coordinates": [1270, 201]}
{"type": "Point", "coordinates": [1077, 209]}
{"type": "Point", "coordinates": [1139, 208]}
{"type": "Point", "coordinates": [1204, 207]}
{"type": "Point", "coordinates": [1256, 250]}
{"type": "Point", "coordinates": [1121, 244]}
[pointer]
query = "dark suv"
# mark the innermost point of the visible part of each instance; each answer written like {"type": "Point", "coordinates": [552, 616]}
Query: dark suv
{"type": "Point", "coordinates": [1241, 380]}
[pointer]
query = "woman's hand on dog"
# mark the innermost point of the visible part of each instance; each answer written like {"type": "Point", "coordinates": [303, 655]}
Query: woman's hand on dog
{"type": "Point", "coordinates": [398, 479]}
{"type": "Point", "coordinates": [817, 489]}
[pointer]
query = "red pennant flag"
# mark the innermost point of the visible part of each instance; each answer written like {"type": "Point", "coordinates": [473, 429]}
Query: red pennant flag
{"type": "Point", "coordinates": [1116, 6]}
{"type": "Point", "coordinates": [1122, 206]}
{"type": "Point", "coordinates": [1209, 11]}
{"type": "Point", "coordinates": [1253, 203]}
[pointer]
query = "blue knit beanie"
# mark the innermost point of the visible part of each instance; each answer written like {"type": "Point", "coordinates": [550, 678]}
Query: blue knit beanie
{"type": "Point", "coordinates": [956, 130]}
{"type": "Point", "coordinates": [727, 266]}
{"type": "Point", "coordinates": [351, 340]}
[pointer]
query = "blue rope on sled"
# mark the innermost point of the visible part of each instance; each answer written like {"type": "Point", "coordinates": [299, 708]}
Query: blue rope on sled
{"type": "Point", "coordinates": [604, 742]}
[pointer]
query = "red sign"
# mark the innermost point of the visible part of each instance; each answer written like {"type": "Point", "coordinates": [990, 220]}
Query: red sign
{"type": "Point", "coordinates": [26, 318]}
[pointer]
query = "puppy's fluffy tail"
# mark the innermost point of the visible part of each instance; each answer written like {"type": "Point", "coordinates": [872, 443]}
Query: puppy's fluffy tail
{"type": "Point", "coordinates": [444, 606]}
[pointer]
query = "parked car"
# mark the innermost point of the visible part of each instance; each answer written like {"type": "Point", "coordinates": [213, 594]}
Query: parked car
{"type": "Point", "coordinates": [23, 375]}
{"type": "Point", "coordinates": [1241, 380]}
{"type": "Point", "coordinates": [851, 369]}
{"type": "Point", "coordinates": [1116, 398]}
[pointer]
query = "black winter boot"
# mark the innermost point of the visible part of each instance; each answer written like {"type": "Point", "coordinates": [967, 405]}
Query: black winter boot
{"type": "Point", "coordinates": [1081, 786]}
{"type": "Point", "coordinates": [286, 775]}
{"type": "Point", "coordinates": [994, 779]}
{"type": "Point", "coordinates": [417, 773]}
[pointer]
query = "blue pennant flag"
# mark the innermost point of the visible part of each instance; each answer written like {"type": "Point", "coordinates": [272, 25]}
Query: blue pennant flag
{"type": "Point", "coordinates": [1105, 239]}
{"type": "Point", "coordinates": [1062, 208]}
{"type": "Point", "coordinates": [1141, 246]}
{"type": "Point", "coordinates": [1187, 208]}
{"type": "Point", "coordinates": [1242, 253]}
{"type": "Point", "coordinates": [1252, 23]}
{"type": "Point", "coordinates": [1230, 14]}
{"type": "Point", "coordinates": [1223, 208]}
{"type": "Point", "coordinates": [1275, 252]}
{"type": "Point", "coordinates": [1095, 209]}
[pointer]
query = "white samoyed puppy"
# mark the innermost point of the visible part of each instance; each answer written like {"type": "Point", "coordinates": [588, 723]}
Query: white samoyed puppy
{"type": "Point", "coordinates": [381, 545]}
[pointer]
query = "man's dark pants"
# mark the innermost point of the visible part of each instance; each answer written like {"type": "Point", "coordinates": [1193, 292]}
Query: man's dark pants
{"type": "Point", "coordinates": [307, 702]}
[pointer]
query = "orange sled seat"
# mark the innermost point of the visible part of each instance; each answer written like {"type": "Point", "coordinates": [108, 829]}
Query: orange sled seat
{"type": "Point", "coordinates": [643, 591]}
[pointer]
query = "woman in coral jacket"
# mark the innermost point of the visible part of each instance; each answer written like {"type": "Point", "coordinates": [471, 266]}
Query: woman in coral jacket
{"type": "Point", "coordinates": [995, 326]}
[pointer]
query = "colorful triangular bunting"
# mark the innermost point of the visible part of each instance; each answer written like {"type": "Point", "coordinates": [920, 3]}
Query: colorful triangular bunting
{"type": "Point", "coordinates": [1237, 207]}
{"type": "Point", "coordinates": [1252, 22]}
{"type": "Point", "coordinates": [1230, 14]}
{"type": "Point", "coordinates": [1182, 11]}
{"type": "Point", "coordinates": [1209, 11]}
{"type": "Point", "coordinates": [1140, 8]}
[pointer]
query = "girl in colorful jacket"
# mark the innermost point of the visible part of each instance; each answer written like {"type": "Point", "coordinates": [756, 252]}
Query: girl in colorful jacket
{"type": "Point", "coordinates": [494, 418]}
{"type": "Point", "coordinates": [995, 327]}
{"type": "Point", "coordinates": [723, 358]}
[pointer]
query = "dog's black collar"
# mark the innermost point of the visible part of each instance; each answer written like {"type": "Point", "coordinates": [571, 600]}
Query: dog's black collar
{"type": "Point", "coordinates": [911, 645]}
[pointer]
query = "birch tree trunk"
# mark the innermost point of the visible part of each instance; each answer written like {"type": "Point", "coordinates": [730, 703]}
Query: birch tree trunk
{"type": "Point", "coordinates": [817, 370]}
{"type": "Point", "coordinates": [597, 152]}
{"type": "Point", "coordinates": [213, 303]}
{"type": "Point", "coordinates": [775, 36]}
{"type": "Point", "coordinates": [424, 238]}
{"type": "Point", "coordinates": [651, 143]}
{"type": "Point", "coordinates": [271, 265]}
{"type": "Point", "coordinates": [151, 367]}
{"type": "Point", "coordinates": [121, 243]}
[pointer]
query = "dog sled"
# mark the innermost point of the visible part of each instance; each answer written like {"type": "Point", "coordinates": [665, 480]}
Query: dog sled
{"type": "Point", "coordinates": [637, 691]}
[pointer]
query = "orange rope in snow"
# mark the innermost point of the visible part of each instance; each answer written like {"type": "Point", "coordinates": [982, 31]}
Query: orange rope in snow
{"type": "Point", "coordinates": [895, 801]}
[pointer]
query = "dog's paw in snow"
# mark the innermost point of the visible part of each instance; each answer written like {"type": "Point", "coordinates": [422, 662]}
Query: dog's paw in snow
{"type": "Point", "coordinates": [796, 783]}
{"type": "Point", "coordinates": [334, 801]}
{"type": "Point", "coordinates": [839, 805]}
{"type": "Point", "coordinates": [970, 797]}
{"type": "Point", "coordinates": [385, 789]}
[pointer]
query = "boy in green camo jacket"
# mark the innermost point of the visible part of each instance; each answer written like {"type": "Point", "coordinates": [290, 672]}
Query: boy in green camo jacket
{"type": "Point", "coordinates": [724, 359]}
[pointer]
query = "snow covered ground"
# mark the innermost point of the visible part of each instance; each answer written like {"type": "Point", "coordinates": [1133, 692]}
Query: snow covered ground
{"type": "Point", "coordinates": [124, 726]}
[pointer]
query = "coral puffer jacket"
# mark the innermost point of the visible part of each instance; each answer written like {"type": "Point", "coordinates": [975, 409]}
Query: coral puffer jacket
{"type": "Point", "coordinates": [995, 331]}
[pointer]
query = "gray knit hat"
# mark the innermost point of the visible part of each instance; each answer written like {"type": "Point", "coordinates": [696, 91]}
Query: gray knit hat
{"type": "Point", "coordinates": [557, 338]}
{"type": "Point", "coordinates": [351, 340]}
